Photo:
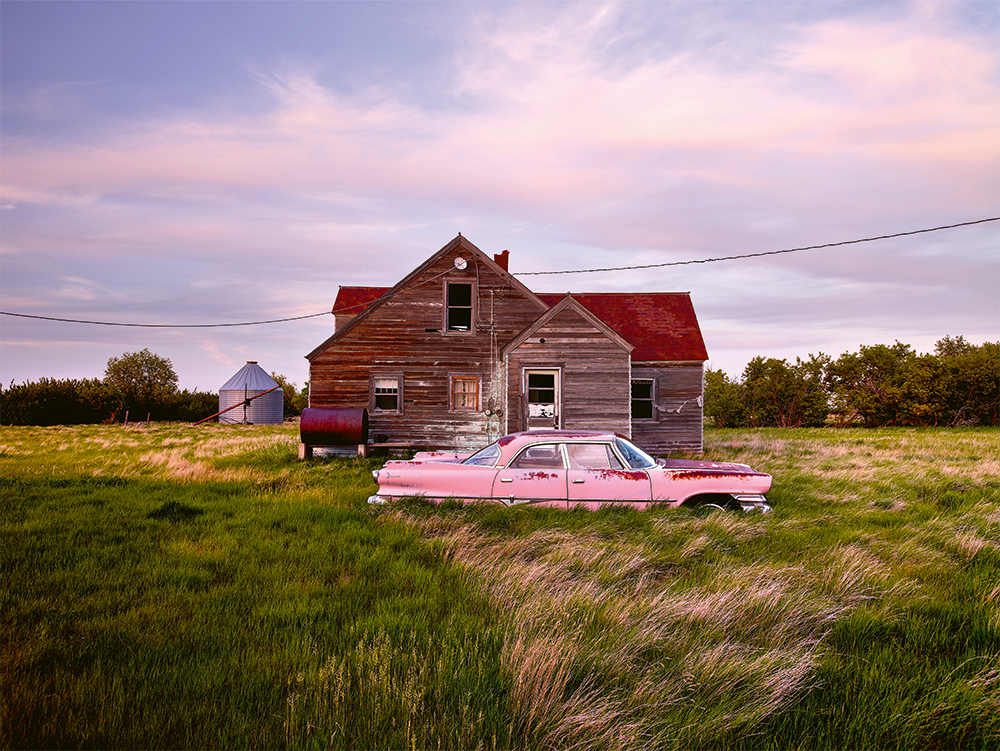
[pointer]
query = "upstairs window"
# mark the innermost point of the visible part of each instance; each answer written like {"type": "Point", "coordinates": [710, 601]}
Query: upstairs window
{"type": "Point", "coordinates": [642, 400]}
{"type": "Point", "coordinates": [459, 306]}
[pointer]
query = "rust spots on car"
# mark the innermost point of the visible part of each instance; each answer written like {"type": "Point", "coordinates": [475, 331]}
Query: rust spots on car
{"type": "Point", "coordinates": [634, 475]}
{"type": "Point", "coordinates": [705, 474]}
{"type": "Point", "coordinates": [539, 475]}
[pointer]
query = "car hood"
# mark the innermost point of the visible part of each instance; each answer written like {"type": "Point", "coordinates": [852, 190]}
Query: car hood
{"type": "Point", "coordinates": [704, 466]}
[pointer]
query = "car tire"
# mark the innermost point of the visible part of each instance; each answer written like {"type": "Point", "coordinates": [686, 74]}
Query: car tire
{"type": "Point", "coordinates": [709, 504]}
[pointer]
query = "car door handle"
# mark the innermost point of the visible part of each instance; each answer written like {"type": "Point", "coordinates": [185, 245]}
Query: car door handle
{"type": "Point", "coordinates": [506, 479]}
{"type": "Point", "coordinates": [579, 481]}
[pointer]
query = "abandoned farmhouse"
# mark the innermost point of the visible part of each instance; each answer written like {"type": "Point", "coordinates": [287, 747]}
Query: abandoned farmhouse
{"type": "Point", "coordinates": [459, 352]}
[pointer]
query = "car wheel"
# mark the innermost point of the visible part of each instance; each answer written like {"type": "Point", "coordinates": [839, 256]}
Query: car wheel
{"type": "Point", "coordinates": [710, 504]}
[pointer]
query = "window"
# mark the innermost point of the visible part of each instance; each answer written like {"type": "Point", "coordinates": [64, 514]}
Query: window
{"type": "Point", "coordinates": [642, 400]}
{"type": "Point", "coordinates": [386, 394]}
{"type": "Point", "coordinates": [635, 456]}
{"type": "Point", "coordinates": [459, 306]}
{"type": "Point", "coordinates": [465, 394]}
{"type": "Point", "coordinates": [486, 457]}
{"type": "Point", "coordinates": [592, 456]}
{"type": "Point", "coordinates": [542, 456]}
{"type": "Point", "coordinates": [541, 388]}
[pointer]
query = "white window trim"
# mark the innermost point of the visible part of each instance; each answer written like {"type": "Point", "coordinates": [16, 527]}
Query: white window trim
{"type": "Point", "coordinates": [372, 380]}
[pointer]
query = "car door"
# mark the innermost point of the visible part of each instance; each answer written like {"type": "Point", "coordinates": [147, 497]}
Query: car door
{"type": "Point", "coordinates": [537, 475]}
{"type": "Point", "coordinates": [596, 475]}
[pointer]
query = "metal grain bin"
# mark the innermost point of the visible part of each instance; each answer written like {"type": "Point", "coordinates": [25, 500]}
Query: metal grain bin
{"type": "Point", "coordinates": [251, 380]}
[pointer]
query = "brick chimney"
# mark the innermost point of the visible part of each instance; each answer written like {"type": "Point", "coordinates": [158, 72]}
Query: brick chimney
{"type": "Point", "coordinates": [502, 259]}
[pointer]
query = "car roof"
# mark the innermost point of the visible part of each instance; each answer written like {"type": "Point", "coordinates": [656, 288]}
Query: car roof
{"type": "Point", "coordinates": [516, 441]}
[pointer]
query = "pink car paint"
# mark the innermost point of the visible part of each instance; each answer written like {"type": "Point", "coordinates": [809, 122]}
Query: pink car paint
{"type": "Point", "coordinates": [566, 469]}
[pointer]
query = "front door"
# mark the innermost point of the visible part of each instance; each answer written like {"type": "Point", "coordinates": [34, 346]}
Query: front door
{"type": "Point", "coordinates": [542, 400]}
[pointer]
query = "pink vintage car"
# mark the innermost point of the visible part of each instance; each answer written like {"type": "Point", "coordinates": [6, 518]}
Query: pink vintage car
{"type": "Point", "coordinates": [567, 468]}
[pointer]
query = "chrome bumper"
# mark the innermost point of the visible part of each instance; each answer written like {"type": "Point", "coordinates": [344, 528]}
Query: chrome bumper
{"type": "Point", "coordinates": [753, 503]}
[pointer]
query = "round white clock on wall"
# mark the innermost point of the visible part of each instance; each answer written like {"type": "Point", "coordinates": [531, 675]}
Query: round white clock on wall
{"type": "Point", "coordinates": [460, 263]}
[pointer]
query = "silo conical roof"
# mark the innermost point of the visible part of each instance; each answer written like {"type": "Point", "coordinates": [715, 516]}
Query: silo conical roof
{"type": "Point", "coordinates": [252, 377]}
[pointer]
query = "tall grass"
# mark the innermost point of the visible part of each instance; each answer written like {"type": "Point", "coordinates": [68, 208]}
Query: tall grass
{"type": "Point", "coordinates": [178, 587]}
{"type": "Point", "coordinates": [801, 629]}
{"type": "Point", "coordinates": [170, 588]}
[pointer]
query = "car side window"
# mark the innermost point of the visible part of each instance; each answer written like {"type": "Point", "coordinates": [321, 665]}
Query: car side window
{"type": "Point", "coordinates": [592, 456]}
{"type": "Point", "coordinates": [540, 456]}
{"type": "Point", "coordinates": [634, 455]}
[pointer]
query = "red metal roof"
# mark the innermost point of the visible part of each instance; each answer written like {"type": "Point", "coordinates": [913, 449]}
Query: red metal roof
{"type": "Point", "coordinates": [660, 325]}
{"type": "Point", "coordinates": [353, 300]}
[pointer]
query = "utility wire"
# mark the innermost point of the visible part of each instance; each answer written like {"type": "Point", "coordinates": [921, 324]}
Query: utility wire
{"type": "Point", "coordinates": [165, 325]}
{"type": "Point", "coordinates": [755, 255]}
{"type": "Point", "coordinates": [516, 273]}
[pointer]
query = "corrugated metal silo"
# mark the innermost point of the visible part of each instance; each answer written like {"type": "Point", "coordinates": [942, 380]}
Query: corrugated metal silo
{"type": "Point", "coordinates": [251, 380]}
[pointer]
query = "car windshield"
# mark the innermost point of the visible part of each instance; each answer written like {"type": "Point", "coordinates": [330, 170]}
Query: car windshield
{"type": "Point", "coordinates": [486, 457]}
{"type": "Point", "coordinates": [635, 456]}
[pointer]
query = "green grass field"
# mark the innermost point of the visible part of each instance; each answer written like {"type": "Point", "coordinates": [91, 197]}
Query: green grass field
{"type": "Point", "coordinates": [179, 587]}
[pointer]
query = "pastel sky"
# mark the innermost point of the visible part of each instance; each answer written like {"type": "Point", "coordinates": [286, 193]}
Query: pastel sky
{"type": "Point", "coordinates": [219, 162]}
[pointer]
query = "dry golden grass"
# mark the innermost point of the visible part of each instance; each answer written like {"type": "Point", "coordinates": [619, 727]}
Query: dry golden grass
{"type": "Point", "coordinates": [612, 643]}
{"type": "Point", "coordinates": [866, 457]}
{"type": "Point", "coordinates": [604, 651]}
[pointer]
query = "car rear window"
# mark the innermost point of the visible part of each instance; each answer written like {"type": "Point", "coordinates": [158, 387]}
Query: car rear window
{"type": "Point", "coordinates": [592, 456]}
{"type": "Point", "coordinates": [541, 456]}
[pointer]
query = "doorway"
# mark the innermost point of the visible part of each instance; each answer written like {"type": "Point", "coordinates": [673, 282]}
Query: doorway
{"type": "Point", "coordinates": [541, 389]}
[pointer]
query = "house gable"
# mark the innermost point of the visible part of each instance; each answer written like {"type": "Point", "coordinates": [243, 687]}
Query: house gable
{"type": "Point", "coordinates": [423, 356]}
{"type": "Point", "coordinates": [565, 304]}
{"type": "Point", "coordinates": [587, 364]}
{"type": "Point", "coordinates": [442, 264]}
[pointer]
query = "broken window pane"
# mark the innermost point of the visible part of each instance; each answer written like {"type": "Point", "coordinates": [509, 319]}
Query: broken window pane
{"type": "Point", "coordinates": [642, 400]}
{"type": "Point", "coordinates": [387, 394]}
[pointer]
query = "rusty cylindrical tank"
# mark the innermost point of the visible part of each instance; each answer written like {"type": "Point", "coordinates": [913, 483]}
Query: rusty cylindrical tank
{"type": "Point", "coordinates": [321, 426]}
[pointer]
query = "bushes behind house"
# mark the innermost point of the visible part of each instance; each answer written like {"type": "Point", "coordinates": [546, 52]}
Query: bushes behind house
{"type": "Point", "coordinates": [71, 401]}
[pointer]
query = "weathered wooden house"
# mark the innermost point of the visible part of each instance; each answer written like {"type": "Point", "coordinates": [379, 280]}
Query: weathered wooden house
{"type": "Point", "coordinates": [460, 352]}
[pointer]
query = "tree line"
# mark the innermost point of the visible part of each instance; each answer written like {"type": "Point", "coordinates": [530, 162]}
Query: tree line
{"type": "Point", "coordinates": [880, 385]}
{"type": "Point", "coordinates": [139, 385]}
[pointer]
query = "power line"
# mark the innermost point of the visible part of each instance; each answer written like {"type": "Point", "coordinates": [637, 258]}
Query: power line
{"type": "Point", "coordinates": [756, 255]}
{"type": "Point", "coordinates": [516, 273]}
{"type": "Point", "coordinates": [165, 325]}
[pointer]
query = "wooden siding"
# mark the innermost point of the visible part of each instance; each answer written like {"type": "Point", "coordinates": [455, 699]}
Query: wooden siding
{"type": "Point", "coordinates": [405, 335]}
{"type": "Point", "coordinates": [594, 374]}
{"type": "Point", "coordinates": [678, 386]}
